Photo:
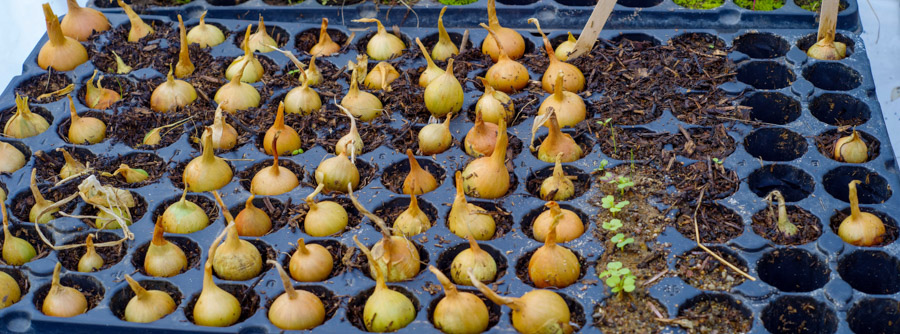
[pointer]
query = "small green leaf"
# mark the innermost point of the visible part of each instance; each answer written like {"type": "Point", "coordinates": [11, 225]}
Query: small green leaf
{"type": "Point", "coordinates": [614, 265]}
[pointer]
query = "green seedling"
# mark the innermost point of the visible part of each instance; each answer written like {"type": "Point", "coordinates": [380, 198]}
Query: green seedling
{"type": "Point", "coordinates": [621, 241]}
{"type": "Point", "coordinates": [717, 161]}
{"type": "Point", "coordinates": [618, 279]}
{"type": "Point", "coordinates": [297, 151]}
{"type": "Point", "coordinates": [609, 203]}
{"type": "Point", "coordinates": [612, 225]}
{"type": "Point", "coordinates": [603, 164]}
{"type": "Point", "coordinates": [623, 183]}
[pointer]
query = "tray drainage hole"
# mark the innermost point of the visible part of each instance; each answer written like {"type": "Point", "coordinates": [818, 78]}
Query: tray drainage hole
{"type": "Point", "coordinates": [190, 248]}
{"type": "Point", "coordinates": [89, 286]}
{"type": "Point", "coordinates": [111, 255]}
{"type": "Point", "coordinates": [445, 259]}
{"type": "Point", "coordinates": [52, 161]}
{"type": "Point", "coordinates": [582, 180]}
{"type": "Point", "coordinates": [799, 315]}
{"type": "Point", "coordinates": [206, 203]}
{"type": "Point", "coordinates": [503, 220]}
{"type": "Point", "coordinates": [762, 45]}
{"type": "Point", "coordinates": [357, 304]}
{"type": "Point", "coordinates": [298, 214]}
{"type": "Point", "coordinates": [793, 270]}
{"type": "Point", "coordinates": [874, 316]}
{"type": "Point", "coordinates": [246, 295]}
{"type": "Point", "coordinates": [703, 271]}
{"type": "Point", "coordinates": [529, 219]}
{"type": "Point", "coordinates": [839, 109]}
{"type": "Point", "coordinates": [26, 151]}
{"type": "Point", "coordinates": [329, 299]}
{"type": "Point", "coordinates": [583, 141]}
{"type": "Point", "coordinates": [336, 248]}
{"type": "Point", "coordinates": [700, 4]}
{"type": "Point", "coordinates": [806, 41]}
{"type": "Point", "coordinates": [718, 313]}
{"type": "Point", "coordinates": [393, 176]}
{"type": "Point", "coordinates": [362, 264]}
{"type": "Point", "coordinates": [494, 310]}
{"type": "Point", "coordinates": [808, 225]}
{"type": "Point", "coordinates": [38, 85]}
{"type": "Point", "coordinates": [891, 230]}
{"type": "Point", "coordinates": [766, 75]}
{"type": "Point", "coordinates": [825, 142]}
{"type": "Point", "coordinates": [149, 162]}
{"type": "Point", "coordinates": [109, 223]}
{"type": "Point", "coordinates": [121, 297]}
{"type": "Point", "coordinates": [634, 37]}
{"type": "Point", "coordinates": [305, 40]}
{"type": "Point", "coordinates": [870, 271]}
{"type": "Point", "coordinates": [273, 207]}
{"type": "Point", "coordinates": [246, 176]}
{"type": "Point", "coordinates": [267, 253]}
{"type": "Point", "coordinates": [717, 223]}
{"type": "Point", "coordinates": [832, 76]}
{"type": "Point", "coordinates": [27, 232]}
{"type": "Point", "coordinates": [43, 112]}
{"type": "Point", "coordinates": [20, 278]}
{"type": "Point", "coordinates": [772, 107]}
{"type": "Point", "coordinates": [775, 144]}
{"type": "Point", "coordinates": [639, 3]}
{"type": "Point", "coordinates": [521, 267]}
{"type": "Point", "coordinates": [392, 209]}
{"type": "Point", "coordinates": [874, 189]}
{"type": "Point", "coordinates": [792, 182]}
{"type": "Point", "coordinates": [278, 33]}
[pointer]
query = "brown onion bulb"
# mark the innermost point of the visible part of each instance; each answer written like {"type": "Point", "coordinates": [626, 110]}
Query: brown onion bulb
{"type": "Point", "coordinates": [63, 301]}
{"type": "Point", "coordinates": [386, 310]}
{"type": "Point", "coordinates": [458, 312]}
{"type": "Point", "coordinates": [251, 70]}
{"type": "Point", "coordinates": [207, 172]}
{"type": "Point", "coordinates": [302, 100]}
{"type": "Point", "coordinates": [444, 94]}
{"type": "Point", "coordinates": [313, 75]}
{"type": "Point", "coordinates": [444, 48]}
{"type": "Point", "coordinates": [468, 219]}
{"type": "Point", "coordinates": [559, 186]}
{"type": "Point", "coordinates": [851, 149]}
{"type": "Point", "coordinates": [382, 45]}
{"type": "Point", "coordinates": [236, 94]}
{"type": "Point", "coordinates": [573, 79]}
{"type": "Point", "coordinates": [91, 260]}
{"type": "Point", "coordinates": [80, 22]}
{"type": "Point", "coordinates": [537, 311]}
{"type": "Point", "coordinates": [184, 67]}
{"type": "Point", "coordinates": [351, 141]}
{"type": "Point", "coordinates": [418, 181]}
{"type": "Point", "coordinates": [395, 256]}
{"type": "Point", "coordinates": [310, 262]}
{"type": "Point", "coordinates": [139, 29]}
{"type": "Point", "coordinates": [147, 305]}
{"type": "Point", "coordinates": [494, 104]}
{"type": "Point", "coordinates": [557, 143]}
{"type": "Point", "coordinates": [570, 225]}
{"type": "Point", "coordinates": [11, 159]}
{"type": "Point", "coordinates": [565, 48]}
{"type": "Point", "coordinates": [435, 138]}
{"type": "Point", "coordinates": [274, 180]}
{"type": "Point", "coordinates": [295, 309]}
{"type": "Point", "coordinates": [236, 259]}
{"type": "Point", "coordinates": [476, 260]}
{"type": "Point", "coordinates": [860, 228]}
{"type": "Point", "coordinates": [172, 94]}
{"type": "Point", "coordinates": [325, 46]}
{"type": "Point", "coordinates": [553, 265]}
{"type": "Point", "coordinates": [205, 35]}
{"type": "Point", "coordinates": [61, 52]}
{"type": "Point", "coordinates": [381, 77]}
{"type": "Point", "coordinates": [163, 258]}
{"type": "Point", "coordinates": [361, 104]}
{"type": "Point", "coordinates": [97, 97]}
{"type": "Point", "coordinates": [288, 139]}
{"type": "Point", "coordinates": [16, 251]}
{"type": "Point", "coordinates": [323, 218]}
{"type": "Point", "coordinates": [512, 40]}
{"type": "Point", "coordinates": [252, 221]}
{"type": "Point", "coordinates": [84, 130]}
{"type": "Point", "coordinates": [260, 41]}
{"type": "Point", "coordinates": [412, 221]}
{"type": "Point", "coordinates": [184, 216]}
{"type": "Point", "coordinates": [10, 293]}
{"type": "Point", "coordinates": [569, 107]}
{"type": "Point", "coordinates": [432, 71]}
{"type": "Point", "coordinates": [482, 137]}
{"type": "Point", "coordinates": [506, 75]}
{"type": "Point", "coordinates": [487, 177]}
{"type": "Point", "coordinates": [224, 136]}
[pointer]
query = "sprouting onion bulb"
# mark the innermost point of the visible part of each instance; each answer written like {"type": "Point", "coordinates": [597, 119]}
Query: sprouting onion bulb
{"type": "Point", "coordinates": [412, 221]}
{"type": "Point", "coordinates": [215, 307]}
{"type": "Point", "coordinates": [139, 29]}
{"type": "Point", "coordinates": [573, 79]}
{"type": "Point", "coordinates": [288, 139]}
{"type": "Point", "coordinates": [260, 40]}
{"type": "Point", "coordinates": [121, 67]}
{"type": "Point", "coordinates": [569, 228]}
{"type": "Point", "coordinates": [295, 309]}
{"type": "Point", "coordinates": [163, 258]}
{"type": "Point", "coordinates": [432, 71]}
{"type": "Point", "coordinates": [487, 177]}
{"type": "Point", "coordinates": [444, 93]}
{"type": "Point", "coordinates": [40, 204]}
{"type": "Point", "coordinates": [62, 53]}
{"type": "Point", "coordinates": [248, 67]}
{"type": "Point", "coordinates": [419, 181]}
{"type": "Point", "coordinates": [109, 221]}
{"type": "Point", "coordinates": [62, 301]}
{"type": "Point", "coordinates": [302, 100]}
{"type": "Point", "coordinates": [325, 46]}
{"type": "Point", "coordinates": [172, 94]}
{"type": "Point", "coordinates": [480, 262]}
{"type": "Point", "coordinates": [71, 167]}
{"type": "Point", "coordinates": [310, 262]}
{"type": "Point", "coordinates": [338, 171]}
{"type": "Point", "coordinates": [207, 172]}
{"type": "Point", "coordinates": [24, 123]}
{"type": "Point", "coordinates": [553, 265]}
{"type": "Point", "coordinates": [236, 94]}
{"type": "Point", "coordinates": [97, 97]}
{"type": "Point", "coordinates": [381, 77]}
{"type": "Point", "coordinates": [458, 312]}
{"type": "Point", "coordinates": [16, 251]}
{"type": "Point", "coordinates": [184, 67]}
{"type": "Point", "coordinates": [131, 175]}
{"type": "Point", "coordinates": [564, 48]}
{"type": "Point", "coordinates": [10, 293]}
{"type": "Point", "coordinates": [323, 218]}
{"type": "Point", "coordinates": [80, 22]}
{"type": "Point", "coordinates": [494, 104]}
{"type": "Point", "coordinates": [396, 256]}
{"type": "Point", "coordinates": [513, 42]}
{"type": "Point", "coordinates": [851, 149]}
{"type": "Point", "coordinates": [506, 75]}
{"type": "Point", "coordinates": [184, 216]}
{"type": "Point", "coordinates": [386, 310]}
{"type": "Point", "coordinates": [826, 48]}
{"type": "Point", "coordinates": [252, 221]}
{"type": "Point", "coordinates": [361, 104]}
{"type": "Point", "coordinates": [559, 186]}
{"type": "Point", "coordinates": [206, 35]}
{"type": "Point", "coordinates": [481, 138]}
{"type": "Point", "coordinates": [444, 48]}
{"type": "Point", "coordinates": [91, 260]}
{"type": "Point", "coordinates": [273, 180]}
{"type": "Point", "coordinates": [236, 259]}
{"type": "Point", "coordinates": [11, 159]}
{"type": "Point", "coordinates": [557, 143]}
{"type": "Point", "coordinates": [537, 311]}
{"type": "Point", "coordinates": [154, 136]}
{"type": "Point", "coordinates": [783, 224]}
{"type": "Point", "coordinates": [352, 140]}
{"type": "Point", "coordinates": [147, 305]}
{"type": "Point", "coordinates": [469, 219]}
{"type": "Point", "coordinates": [84, 129]}
{"type": "Point", "coordinates": [313, 76]}
{"type": "Point", "coordinates": [569, 107]}
{"type": "Point", "coordinates": [860, 228]}
{"type": "Point", "coordinates": [435, 138]}
{"type": "Point", "coordinates": [382, 45]}
{"type": "Point", "coordinates": [224, 136]}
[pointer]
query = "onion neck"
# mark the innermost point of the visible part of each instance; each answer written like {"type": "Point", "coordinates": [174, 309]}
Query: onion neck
{"type": "Point", "coordinates": [473, 244]}
{"type": "Point", "coordinates": [460, 198]}
{"type": "Point", "coordinates": [492, 18]}
{"type": "Point", "coordinates": [55, 287]}
{"type": "Point", "coordinates": [443, 36]}
{"type": "Point", "coordinates": [184, 57]}
{"type": "Point", "coordinates": [22, 109]}
{"type": "Point", "coordinates": [208, 283]}
{"type": "Point", "coordinates": [449, 70]}
{"type": "Point", "coordinates": [449, 288]}
{"type": "Point", "coordinates": [558, 87]}
{"type": "Point", "coordinates": [828, 15]}
{"type": "Point", "coordinates": [554, 135]}
{"type": "Point", "coordinates": [72, 113]}
{"type": "Point", "coordinates": [558, 172]}
{"type": "Point", "coordinates": [139, 291]}
{"type": "Point", "coordinates": [231, 238]}
{"type": "Point", "coordinates": [54, 31]}
{"type": "Point", "coordinates": [414, 164]}
{"type": "Point", "coordinates": [39, 199]}
{"type": "Point", "coordinates": [493, 29]}
{"type": "Point", "coordinates": [202, 24]}
{"type": "Point", "coordinates": [855, 213]}
{"type": "Point", "coordinates": [551, 55]}
{"type": "Point", "coordinates": [310, 199]}
{"type": "Point", "coordinates": [285, 280]}
{"type": "Point", "coordinates": [6, 234]}
{"type": "Point", "coordinates": [249, 204]}
{"type": "Point", "coordinates": [158, 230]}
{"type": "Point", "coordinates": [275, 168]}
{"type": "Point", "coordinates": [488, 91]}
{"type": "Point", "coordinates": [301, 247]}
{"type": "Point", "coordinates": [499, 154]}
{"type": "Point", "coordinates": [354, 86]}
{"type": "Point", "coordinates": [71, 162]}
{"type": "Point", "coordinates": [550, 241]}
{"type": "Point", "coordinates": [379, 275]}
{"type": "Point", "coordinates": [324, 38]}
{"type": "Point", "coordinates": [208, 156]}
{"type": "Point", "coordinates": [414, 204]}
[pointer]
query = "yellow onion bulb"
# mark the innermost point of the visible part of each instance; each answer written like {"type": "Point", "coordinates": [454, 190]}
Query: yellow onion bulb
{"type": "Point", "coordinates": [273, 180]}
{"type": "Point", "coordinates": [252, 221]}
{"type": "Point", "coordinates": [851, 149]}
{"type": "Point", "coordinates": [84, 130]}
{"type": "Point", "coordinates": [385, 310]}
{"type": "Point", "coordinates": [224, 136]}
{"type": "Point", "coordinates": [172, 94]}
{"type": "Point", "coordinates": [507, 75]}
{"type": "Point", "coordinates": [468, 219]}
{"type": "Point", "coordinates": [444, 48]}
{"type": "Point", "coordinates": [860, 228]}
{"type": "Point", "coordinates": [10, 293]}
{"type": "Point", "coordinates": [246, 67]}
{"type": "Point", "coordinates": [97, 97]}
{"type": "Point", "coordinates": [513, 42]}
{"type": "Point", "coordinates": [361, 104]}
{"type": "Point", "coordinates": [80, 22]}
{"type": "Point", "coordinates": [62, 301]}
{"type": "Point", "coordinates": [559, 186]}
{"type": "Point", "coordinates": [569, 107]}
{"type": "Point", "coordinates": [11, 159]}
{"type": "Point", "coordinates": [302, 100]}
{"type": "Point", "coordinates": [295, 309]}
{"type": "Point", "coordinates": [62, 53]}
{"type": "Point", "coordinates": [40, 204]}
{"type": "Point", "coordinates": [412, 221]}
{"type": "Point", "coordinates": [184, 217]}
{"type": "Point", "coordinates": [494, 105]}
{"type": "Point", "coordinates": [537, 311]}
{"type": "Point", "coordinates": [351, 143]}
{"type": "Point", "coordinates": [336, 172]}
{"type": "Point", "coordinates": [432, 71]}
{"type": "Point", "coordinates": [207, 172]}
{"type": "Point", "coordinates": [71, 167]}
{"type": "Point", "coordinates": [260, 41]}
{"type": "Point", "coordinates": [236, 94]}
{"type": "Point", "coordinates": [565, 48]}
{"type": "Point", "coordinates": [310, 262]}
{"type": "Point", "coordinates": [205, 35]}
{"type": "Point", "coordinates": [24, 123]}
{"type": "Point", "coordinates": [570, 225]}
{"type": "Point", "coordinates": [557, 143]}
{"type": "Point", "coordinates": [91, 260]}
{"type": "Point", "coordinates": [215, 307]}
{"type": "Point", "coordinates": [419, 180]}
{"type": "Point", "coordinates": [435, 138]}
{"type": "Point", "coordinates": [397, 257]}
{"type": "Point", "coordinates": [481, 138]}
{"type": "Point", "coordinates": [16, 251]}
{"type": "Point", "coordinates": [323, 218]}
{"type": "Point", "coordinates": [827, 49]}
{"type": "Point", "coordinates": [236, 259]}
{"type": "Point", "coordinates": [163, 258]}
{"type": "Point", "coordinates": [381, 77]}
{"type": "Point", "coordinates": [288, 138]}
{"type": "Point", "coordinates": [487, 177]}
{"type": "Point", "coordinates": [476, 260]}
{"type": "Point", "coordinates": [325, 46]}
{"type": "Point", "coordinates": [553, 265]}
{"type": "Point", "coordinates": [458, 312]}
{"type": "Point", "coordinates": [139, 29]}
{"type": "Point", "coordinates": [147, 305]}
{"type": "Point", "coordinates": [444, 94]}
{"type": "Point", "coordinates": [383, 45]}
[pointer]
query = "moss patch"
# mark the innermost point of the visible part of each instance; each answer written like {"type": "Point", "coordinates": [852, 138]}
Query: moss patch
{"type": "Point", "coordinates": [457, 2]}
{"type": "Point", "coordinates": [699, 4]}
{"type": "Point", "coordinates": [763, 5]}
{"type": "Point", "coordinates": [814, 5]}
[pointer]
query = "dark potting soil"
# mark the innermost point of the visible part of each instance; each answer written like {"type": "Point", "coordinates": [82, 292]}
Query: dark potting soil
{"type": "Point", "coordinates": [46, 83]}
{"type": "Point", "coordinates": [717, 224]}
{"type": "Point", "coordinates": [630, 313]}
{"type": "Point", "coordinates": [710, 315]}
{"type": "Point", "coordinates": [703, 271]}
{"type": "Point", "coordinates": [304, 41]}
{"type": "Point", "coordinates": [703, 143]}
{"type": "Point", "coordinates": [809, 228]}
{"type": "Point", "coordinates": [150, 51]}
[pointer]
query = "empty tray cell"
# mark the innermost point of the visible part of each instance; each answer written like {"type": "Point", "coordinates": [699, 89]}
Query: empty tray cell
{"type": "Point", "coordinates": [832, 76]}
{"type": "Point", "coordinates": [874, 316]}
{"type": "Point", "coordinates": [873, 188]}
{"type": "Point", "coordinates": [800, 315]}
{"type": "Point", "coordinates": [766, 75]}
{"type": "Point", "coordinates": [839, 109]}
{"type": "Point", "coordinates": [762, 45]}
{"type": "Point", "coordinates": [772, 107]}
{"type": "Point", "coordinates": [793, 183]}
{"type": "Point", "coordinates": [870, 271]}
{"type": "Point", "coordinates": [775, 144]}
{"type": "Point", "coordinates": [793, 270]}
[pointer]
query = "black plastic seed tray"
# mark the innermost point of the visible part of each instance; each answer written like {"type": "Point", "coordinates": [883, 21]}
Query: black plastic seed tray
{"type": "Point", "coordinates": [838, 287]}
{"type": "Point", "coordinates": [561, 14]}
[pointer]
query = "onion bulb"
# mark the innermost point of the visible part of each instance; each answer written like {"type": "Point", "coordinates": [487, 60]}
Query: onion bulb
{"type": "Point", "coordinates": [215, 307]}
{"type": "Point", "coordinates": [295, 309]}
{"type": "Point", "coordinates": [382, 45]}
{"type": "Point", "coordinates": [80, 22]}
{"type": "Point", "coordinates": [90, 261]}
{"type": "Point", "coordinates": [826, 48]}
{"type": "Point", "coordinates": [537, 311]}
{"type": "Point", "coordinates": [565, 48]}
{"type": "Point", "coordinates": [71, 167]}
{"type": "Point", "coordinates": [147, 305]}
{"type": "Point", "coordinates": [860, 228]}
{"type": "Point", "coordinates": [274, 180]}
{"type": "Point", "coordinates": [506, 75]}
{"type": "Point", "coordinates": [570, 225]}
{"type": "Point", "coordinates": [163, 258]}
{"type": "Point", "coordinates": [310, 262]}
{"type": "Point", "coordinates": [514, 44]}
{"type": "Point", "coordinates": [573, 79]}
{"type": "Point", "coordinates": [559, 186]}
{"type": "Point", "coordinates": [323, 218]}
{"type": "Point", "coordinates": [236, 259]}
{"type": "Point", "coordinates": [121, 67]}
{"type": "Point", "coordinates": [302, 100]}
{"type": "Point", "coordinates": [569, 107]}
{"type": "Point", "coordinates": [237, 95]}
{"type": "Point", "coordinates": [260, 41]}
{"type": "Point", "coordinates": [63, 301]}
{"type": "Point", "coordinates": [252, 221]}
{"type": "Point", "coordinates": [412, 221]}
{"type": "Point", "coordinates": [352, 140]}
{"type": "Point", "coordinates": [361, 104]}
{"type": "Point", "coordinates": [432, 71]}
{"type": "Point", "coordinates": [418, 181]}
{"type": "Point", "coordinates": [394, 256]}
{"type": "Point", "coordinates": [139, 29]}
{"type": "Point", "coordinates": [480, 262]}
{"type": "Point", "coordinates": [313, 75]}
{"type": "Point", "coordinates": [288, 139]}
{"type": "Point", "coordinates": [783, 224]}
{"type": "Point", "coordinates": [97, 97]}
{"type": "Point", "coordinates": [11, 159]}
{"type": "Point", "coordinates": [172, 94]}
{"type": "Point", "coordinates": [444, 48]}
{"type": "Point", "coordinates": [184, 67]}
{"type": "Point", "coordinates": [62, 53]}
{"type": "Point", "coordinates": [10, 293]}
{"type": "Point", "coordinates": [336, 172]}
{"type": "Point", "coordinates": [84, 130]}
{"type": "Point", "coordinates": [487, 177]}
{"type": "Point", "coordinates": [184, 216]}
{"type": "Point", "coordinates": [110, 220]}
{"type": "Point", "coordinates": [224, 136]}
{"type": "Point", "coordinates": [154, 136]}
{"type": "Point", "coordinates": [24, 123]}
{"type": "Point", "coordinates": [458, 312]}
{"type": "Point", "coordinates": [468, 219]}
{"type": "Point", "coordinates": [482, 137]}
{"type": "Point", "coordinates": [248, 67]}
{"type": "Point", "coordinates": [206, 35]}
{"type": "Point", "coordinates": [435, 138]}
{"type": "Point", "coordinates": [494, 104]}
{"type": "Point", "coordinates": [851, 149]}
{"type": "Point", "coordinates": [553, 265]}
{"type": "Point", "coordinates": [557, 143]}
{"type": "Point", "coordinates": [207, 172]}
{"type": "Point", "coordinates": [131, 175]}
{"type": "Point", "coordinates": [40, 204]}
{"type": "Point", "coordinates": [16, 251]}
{"type": "Point", "coordinates": [325, 46]}
{"type": "Point", "coordinates": [444, 93]}
{"type": "Point", "coordinates": [386, 310]}
{"type": "Point", "coordinates": [381, 77]}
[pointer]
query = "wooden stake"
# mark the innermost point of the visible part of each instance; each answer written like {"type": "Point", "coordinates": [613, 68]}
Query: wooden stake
{"type": "Point", "coordinates": [828, 19]}
{"type": "Point", "coordinates": [592, 28]}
